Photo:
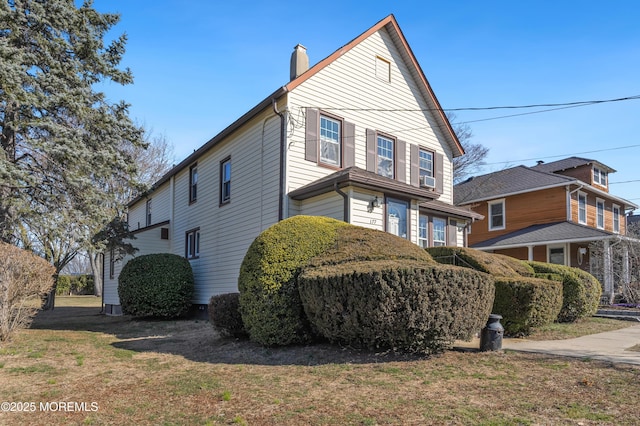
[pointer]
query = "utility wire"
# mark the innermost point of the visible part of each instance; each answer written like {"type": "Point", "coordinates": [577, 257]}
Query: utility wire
{"type": "Point", "coordinates": [565, 155]}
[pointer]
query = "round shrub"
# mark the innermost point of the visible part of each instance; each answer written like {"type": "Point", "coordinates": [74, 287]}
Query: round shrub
{"type": "Point", "coordinates": [156, 285]}
{"type": "Point", "coordinates": [526, 302]}
{"type": "Point", "coordinates": [224, 314]}
{"type": "Point", "coordinates": [404, 305]}
{"type": "Point", "coordinates": [581, 291]}
{"type": "Point", "coordinates": [269, 301]}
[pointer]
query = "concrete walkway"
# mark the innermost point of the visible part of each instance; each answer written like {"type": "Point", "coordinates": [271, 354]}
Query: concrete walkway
{"type": "Point", "coordinates": [610, 346]}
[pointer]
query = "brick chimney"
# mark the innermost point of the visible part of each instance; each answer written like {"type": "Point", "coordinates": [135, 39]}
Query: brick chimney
{"type": "Point", "coordinates": [299, 61]}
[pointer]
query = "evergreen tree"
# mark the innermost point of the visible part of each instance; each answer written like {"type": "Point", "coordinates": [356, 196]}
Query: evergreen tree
{"type": "Point", "coordinates": [63, 143]}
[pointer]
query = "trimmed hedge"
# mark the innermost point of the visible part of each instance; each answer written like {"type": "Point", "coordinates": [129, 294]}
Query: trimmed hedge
{"type": "Point", "coordinates": [224, 314]}
{"type": "Point", "coordinates": [156, 285]}
{"type": "Point", "coordinates": [526, 302]}
{"type": "Point", "coordinates": [581, 291]}
{"type": "Point", "coordinates": [495, 264]}
{"type": "Point", "coordinates": [405, 305]}
{"type": "Point", "coordinates": [269, 301]}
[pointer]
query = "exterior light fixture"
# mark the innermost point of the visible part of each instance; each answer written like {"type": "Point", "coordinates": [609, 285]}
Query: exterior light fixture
{"type": "Point", "coordinates": [374, 203]}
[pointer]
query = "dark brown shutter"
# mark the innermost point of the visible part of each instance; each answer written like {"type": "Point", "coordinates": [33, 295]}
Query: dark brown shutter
{"type": "Point", "coordinates": [439, 173]}
{"type": "Point", "coordinates": [349, 143]}
{"type": "Point", "coordinates": [452, 233]}
{"type": "Point", "coordinates": [371, 151]}
{"type": "Point", "coordinates": [312, 121]}
{"type": "Point", "coordinates": [401, 161]}
{"type": "Point", "coordinates": [415, 165]}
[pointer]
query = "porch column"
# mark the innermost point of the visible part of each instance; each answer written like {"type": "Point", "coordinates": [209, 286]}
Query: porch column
{"type": "Point", "coordinates": [530, 252]}
{"type": "Point", "coordinates": [607, 271]}
{"type": "Point", "coordinates": [626, 273]}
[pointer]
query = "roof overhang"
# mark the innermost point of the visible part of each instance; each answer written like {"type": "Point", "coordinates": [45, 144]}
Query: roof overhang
{"type": "Point", "coordinates": [359, 178]}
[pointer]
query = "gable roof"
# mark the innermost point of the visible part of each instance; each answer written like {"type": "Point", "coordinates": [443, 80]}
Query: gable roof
{"type": "Point", "coordinates": [570, 163]}
{"type": "Point", "coordinates": [506, 182]}
{"type": "Point", "coordinates": [390, 24]}
{"type": "Point", "coordinates": [548, 233]}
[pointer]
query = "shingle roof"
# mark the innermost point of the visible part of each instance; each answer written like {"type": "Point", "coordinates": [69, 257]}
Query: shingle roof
{"type": "Point", "coordinates": [508, 181]}
{"type": "Point", "coordinates": [569, 163]}
{"type": "Point", "coordinates": [558, 232]}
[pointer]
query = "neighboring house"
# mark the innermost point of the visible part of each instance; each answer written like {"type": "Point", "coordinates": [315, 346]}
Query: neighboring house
{"type": "Point", "coordinates": [550, 212]}
{"type": "Point", "coordinates": [359, 137]}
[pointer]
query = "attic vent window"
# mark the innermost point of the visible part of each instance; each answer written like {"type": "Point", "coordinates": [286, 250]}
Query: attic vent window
{"type": "Point", "coordinates": [383, 69]}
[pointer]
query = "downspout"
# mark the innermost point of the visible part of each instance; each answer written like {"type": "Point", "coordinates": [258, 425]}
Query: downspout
{"type": "Point", "coordinates": [569, 193]}
{"type": "Point", "coordinates": [102, 310]}
{"type": "Point", "coordinates": [283, 141]}
{"type": "Point", "coordinates": [346, 213]}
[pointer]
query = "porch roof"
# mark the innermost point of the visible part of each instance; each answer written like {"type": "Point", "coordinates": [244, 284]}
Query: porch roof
{"type": "Point", "coordinates": [548, 233]}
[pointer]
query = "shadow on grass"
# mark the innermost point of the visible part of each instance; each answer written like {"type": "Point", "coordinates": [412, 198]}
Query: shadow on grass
{"type": "Point", "coordinates": [196, 340]}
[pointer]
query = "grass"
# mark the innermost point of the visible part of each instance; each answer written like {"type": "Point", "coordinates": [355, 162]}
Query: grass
{"type": "Point", "coordinates": [181, 372]}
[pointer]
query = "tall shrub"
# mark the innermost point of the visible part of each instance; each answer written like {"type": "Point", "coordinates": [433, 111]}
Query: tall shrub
{"type": "Point", "coordinates": [156, 285]}
{"type": "Point", "coordinates": [24, 279]}
{"type": "Point", "coordinates": [269, 301]}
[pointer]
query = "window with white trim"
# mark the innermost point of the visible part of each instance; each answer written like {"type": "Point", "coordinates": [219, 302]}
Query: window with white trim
{"type": "Point", "coordinates": [192, 244]}
{"type": "Point", "coordinates": [616, 218]}
{"type": "Point", "coordinates": [582, 208]}
{"type": "Point", "coordinates": [423, 231]}
{"type": "Point", "coordinates": [600, 213]}
{"type": "Point", "coordinates": [556, 255]}
{"type": "Point", "coordinates": [439, 232]}
{"type": "Point", "coordinates": [599, 176]}
{"type": "Point", "coordinates": [112, 264]}
{"type": "Point", "coordinates": [330, 149]}
{"type": "Point", "coordinates": [385, 157]}
{"type": "Point", "coordinates": [425, 165]}
{"type": "Point", "coordinates": [496, 215]}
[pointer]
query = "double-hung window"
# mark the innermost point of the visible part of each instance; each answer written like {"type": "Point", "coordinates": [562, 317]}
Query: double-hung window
{"type": "Point", "coordinates": [616, 218]}
{"type": "Point", "coordinates": [423, 231]}
{"type": "Point", "coordinates": [193, 183]}
{"type": "Point", "coordinates": [599, 176]}
{"type": "Point", "coordinates": [192, 244]}
{"type": "Point", "coordinates": [425, 165]}
{"type": "Point", "coordinates": [330, 149]}
{"type": "Point", "coordinates": [600, 213]}
{"type": "Point", "coordinates": [385, 157]}
{"type": "Point", "coordinates": [496, 215]}
{"type": "Point", "coordinates": [147, 214]}
{"type": "Point", "coordinates": [582, 208]}
{"type": "Point", "coordinates": [439, 232]}
{"type": "Point", "coordinates": [225, 181]}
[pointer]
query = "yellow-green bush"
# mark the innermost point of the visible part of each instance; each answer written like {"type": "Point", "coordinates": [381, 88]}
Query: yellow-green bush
{"type": "Point", "coordinates": [526, 302]}
{"type": "Point", "coordinates": [407, 305]}
{"type": "Point", "coordinates": [269, 300]}
{"type": "Point", "coordinates": [581, 291]}
{"type": "Point", "coordinates": [497, 265]}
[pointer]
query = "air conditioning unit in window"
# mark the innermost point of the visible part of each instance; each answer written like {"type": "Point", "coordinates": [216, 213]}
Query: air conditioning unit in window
{"type": "Point", "coordinates": [427, 182]}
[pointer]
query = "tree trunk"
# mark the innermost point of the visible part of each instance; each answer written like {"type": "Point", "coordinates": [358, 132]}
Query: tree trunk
{"type": "Point", "coordinates": [96, 270]}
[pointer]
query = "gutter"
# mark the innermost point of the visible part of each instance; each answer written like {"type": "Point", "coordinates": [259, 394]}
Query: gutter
{"type": "Point", "coordinates": [283, 141]}
{"type": "Point", "coordinates": [345, 197]}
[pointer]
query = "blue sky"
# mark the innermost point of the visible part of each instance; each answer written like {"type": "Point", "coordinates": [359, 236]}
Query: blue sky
{"type": "Point", "coordinates": [199, 65]}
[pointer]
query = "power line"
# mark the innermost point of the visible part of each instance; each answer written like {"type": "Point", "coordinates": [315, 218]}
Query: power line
{"type": "Point", "coordinates": [626, 181]}
{"type": "Point", "coordinates": [554, 106]}
{"type": "Point", "coordinates": [565, 155]}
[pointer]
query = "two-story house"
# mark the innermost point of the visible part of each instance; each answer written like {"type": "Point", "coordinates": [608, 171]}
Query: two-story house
{"type": "Point", "coordinates": [550, 212]}
{"type": "Point", "coordinates": [359, 137]}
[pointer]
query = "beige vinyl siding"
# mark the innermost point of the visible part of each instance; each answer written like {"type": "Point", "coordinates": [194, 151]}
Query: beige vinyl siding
{"type": "Point", "coordinates": [227, 230]}
{"type": "Point", "coordinates": [329, 205]}
{"type": "Point", "coordinates": [360, 214]}
{"type": "Point", "coordinates": [147, 242]}
{"type": "Point", "coordinates": [349, 88]}
{"type": "Point", "coordinates": [160, 200]}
